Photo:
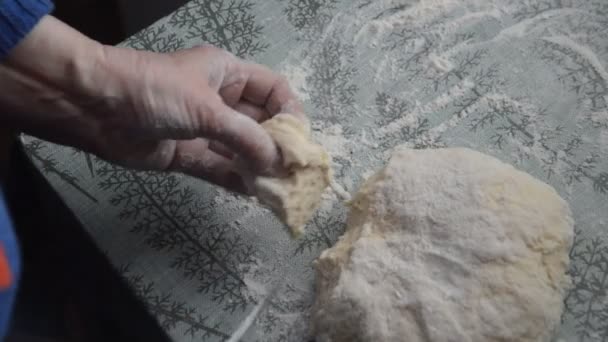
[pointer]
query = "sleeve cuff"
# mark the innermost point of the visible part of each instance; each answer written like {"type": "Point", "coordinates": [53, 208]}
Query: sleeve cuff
{"type": "Point", "coordinates": [17, 19]}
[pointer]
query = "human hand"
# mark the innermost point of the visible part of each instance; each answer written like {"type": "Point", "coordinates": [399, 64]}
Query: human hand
{"type": "Point", "coordinates": [191, 111]}
{"type": "Point", "coordinates": [195, 111]}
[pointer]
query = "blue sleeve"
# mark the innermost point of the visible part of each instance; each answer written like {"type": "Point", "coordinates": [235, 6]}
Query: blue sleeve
{"type": "Point", "coordinates": [9, 267]}
{"type": "Point", "coordinates": [17, 18]}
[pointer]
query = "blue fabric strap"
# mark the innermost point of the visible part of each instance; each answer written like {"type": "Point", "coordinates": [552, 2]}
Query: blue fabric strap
{"type": "Point", "coordinates": [17, 18]}
{"type": "Point", "coordinates": [9, 267]}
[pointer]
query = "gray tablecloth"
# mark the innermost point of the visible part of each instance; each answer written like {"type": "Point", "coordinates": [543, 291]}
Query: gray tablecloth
{"type": "Point", "coordinates": [524, 81]}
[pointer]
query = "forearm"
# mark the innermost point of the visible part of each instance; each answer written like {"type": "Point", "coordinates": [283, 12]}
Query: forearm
{"type": "Point", "coordinates": [56, 66]}
{"type": "Point", "coordinates": [55, 54]}
{"type": "Point", "coordinates": [44, 78]}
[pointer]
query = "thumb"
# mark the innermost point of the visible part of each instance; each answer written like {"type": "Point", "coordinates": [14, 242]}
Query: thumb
{"type": "Point", "coordinates": [240, 133]}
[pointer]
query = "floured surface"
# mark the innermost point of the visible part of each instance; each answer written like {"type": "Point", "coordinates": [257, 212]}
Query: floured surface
{"type": "Point", "coordinates": [294, 198]}
{"type": "Point", "coordinates": [521, 80]}
{"type": "Point", "coordinates": [446, 245]}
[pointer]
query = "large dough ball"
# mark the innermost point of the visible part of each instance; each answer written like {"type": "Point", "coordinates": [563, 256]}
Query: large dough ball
{"type": "Point", "coordinates": [446, 245]}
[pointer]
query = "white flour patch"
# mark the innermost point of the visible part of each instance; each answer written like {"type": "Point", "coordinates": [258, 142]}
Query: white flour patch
{"type": "Point", "coordinates": [366, 174]}
{"type": "Point", "coordinates": [373, 32]}
{"type": "Point", "coordinates": [470, 18]}
{"type": "Point", "coordinates": [365, 140]}
{"type": "Point", "coordinates": [339, 190]}
{"type": "Point", "coordinates": [332, 139]}
{"type": "Point", "coordinates": [599, 118]}
{"type": "Point", "coordinates": [603, 141]}
{"type": "Point", "coordinates": [421, 12]}
{"type": "Point", "coordinates": [328, 199]}
{"type": "Point", "coordinates": [584, 52]}
{"type": "Point", "coordinates": [242, 208]}
{"type": "Point", "coordinates": [440, 63]}
{"type": "Point", "coordinates": [296, 75]}
{"type": "Point", "coordinates": [521, 28]}
{"type": "Point", "coordinates": [387, 68]}
{"type": "Point", "coordinates": [409, 118]}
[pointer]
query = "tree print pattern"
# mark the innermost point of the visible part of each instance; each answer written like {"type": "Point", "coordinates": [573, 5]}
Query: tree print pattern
{"type": "Point", "coordinates": [167, 214]}
{"type": "Point", "coordinates": [332, 90]}
{"type": "Point", "coordinates": [310, 17]}
{"type": "Point", "coordinates": [271, 322]}
{"type": "Point", "coordinates": [226, 24]}
{"type": "Point", "coordinates": [172, 313]}
{"type": "Point", "coordinates": [578, 73]}
{"type": "Point", "coordinates": [506, 117]}
{"type": "Point", "coordinates": [36, 149]}
{"type": "Point", "coordinates": [323, 231]}
{"type": "Point", "coordinates": [391, 109]}
{"type": "Point", "coordinates": [156, 39]}
{"type": "Point", "coordinates": [589, 272]}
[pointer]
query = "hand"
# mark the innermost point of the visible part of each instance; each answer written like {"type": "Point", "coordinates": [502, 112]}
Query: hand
{"type": "Point", "coordinates": [191, 111]}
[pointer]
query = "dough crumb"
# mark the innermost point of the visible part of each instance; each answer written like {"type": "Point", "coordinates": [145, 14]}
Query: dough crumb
{"type": "Point", "coordinates": [294, 198]}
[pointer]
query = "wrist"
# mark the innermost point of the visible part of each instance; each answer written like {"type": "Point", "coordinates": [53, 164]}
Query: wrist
{"type": "Point", "coordinates": [70, 58]}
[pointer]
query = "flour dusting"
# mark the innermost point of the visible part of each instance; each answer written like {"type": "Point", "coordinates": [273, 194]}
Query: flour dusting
{"type": "Point", "coordinates": [409, 118]}
{"type": "Point", "coordinates": [441, 64]}
{"type": "Point", "coordinates": [296, 75]}
{"type": "Point", "coordinates": [584, 51]}
{"type": "Point", "coordinates": [332, 138]}
{"type": "Point", "coordinates": [599, 118]}
{"type": "Point", "coordinates": [339, 190]}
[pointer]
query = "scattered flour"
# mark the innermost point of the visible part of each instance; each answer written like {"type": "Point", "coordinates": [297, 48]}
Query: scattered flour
{"type": "Point", "coordinates": [328, 200]}
{"type": "Point", "coordinates": [521, 28]}
{"type": "Point", "coordinates": [489, 10]}
{"type": "Point", "coordinates": [439, 63]}
{"type": "Point", "coordinates": [387, 67]}
{"type": "Point", "coordinates": [332, 138]}
{"type": "Point", "coordinates": [296, 75]}
{"type": "Point", "coordinates": [339, 190]}
{"type": "Point", "coordinates": [373, 32]}
{"type": "Point", "coordinates": [365, 140]}
{"type": "Point", "coordinates": [418, 13]}
{"type": "Point", "coordinates": [366, 174]}
{"type": "Point", "coordinates": [584, 52]}
{"type": "Point", "coordinates": [603, 142]}
{"type": "Point", "coordinates": [409, 118]}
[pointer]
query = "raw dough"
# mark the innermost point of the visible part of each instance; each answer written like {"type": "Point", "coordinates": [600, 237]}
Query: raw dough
{"type": "Point", "coordinates": [446, 245]}
{"type": "Point", "coordinates": [295, 198]}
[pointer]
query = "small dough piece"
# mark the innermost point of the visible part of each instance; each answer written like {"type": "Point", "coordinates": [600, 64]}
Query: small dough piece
{"type": "Point", "coordinates": [294, 198]}
{"type": "Point", "coordinates": [446, 245]}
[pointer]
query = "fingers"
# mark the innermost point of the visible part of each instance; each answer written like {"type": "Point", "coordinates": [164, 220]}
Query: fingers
{"type": "Point", "coordinates": [239, 133]}
{"type": "Point", "coordinates": [257, 113]}
{"type": "Point", "coordinates": [232, 90]}
{"type": "Point", "coordinates": [253, 111]}
{"type": "Point", "coordinates": [221, 149]}
{"type": "Point", "coordinates": [193, 157]}
{"type": "Point", "coordinates": [269, 90]}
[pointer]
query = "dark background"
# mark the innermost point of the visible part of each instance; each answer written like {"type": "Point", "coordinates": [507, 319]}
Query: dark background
{"type": "Point", "coordinates": [111, 21]}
